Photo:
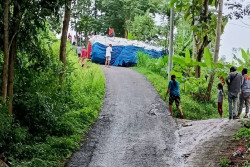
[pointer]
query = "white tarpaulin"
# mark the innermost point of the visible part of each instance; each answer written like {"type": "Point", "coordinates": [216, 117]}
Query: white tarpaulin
{"type": "Point", "coordinates": [115, 41]}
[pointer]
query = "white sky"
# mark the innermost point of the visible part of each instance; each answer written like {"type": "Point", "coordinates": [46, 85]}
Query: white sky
{"type": "Point", "coordinates": [236, 35]}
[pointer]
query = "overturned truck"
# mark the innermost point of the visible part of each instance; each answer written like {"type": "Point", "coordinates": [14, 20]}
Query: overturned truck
{"type": "Point", "coordinates": [124, 50]}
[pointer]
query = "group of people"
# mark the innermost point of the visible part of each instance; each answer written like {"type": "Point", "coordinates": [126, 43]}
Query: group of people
{"type": "Point", "coordinates": [83, 55]}
{"type": "Point", "coordinates": [238, 90]}
{"type": "Point", "coordinates": [75, 40]}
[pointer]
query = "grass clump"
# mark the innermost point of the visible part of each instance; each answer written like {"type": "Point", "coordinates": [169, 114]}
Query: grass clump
{"type": "Point", "coordinates": [224, 162]}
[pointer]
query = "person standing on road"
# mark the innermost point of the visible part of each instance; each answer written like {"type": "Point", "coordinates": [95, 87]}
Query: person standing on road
{"type": "Point", "coordinates": [108, 55]}
{"type": "Point", "coordinates": [220, 99]}
{"type": "Point", "coordinates": [234, 87]}
{"type": "Point", "coordinates": [174, 90]}
{"type": "Point", "coordinates": [245, 92]}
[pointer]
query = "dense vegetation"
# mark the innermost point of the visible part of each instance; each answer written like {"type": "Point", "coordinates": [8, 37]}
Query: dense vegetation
{"type": "Point", "coordinates": [193, 91]}
{"type": "Point", "coordinates": [49, 118]}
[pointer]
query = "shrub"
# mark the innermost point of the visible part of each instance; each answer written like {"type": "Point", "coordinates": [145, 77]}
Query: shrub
{"type": "Point", "coordinates": [224, 162]}
{"type": "Point", "coordinates": [50, 119]}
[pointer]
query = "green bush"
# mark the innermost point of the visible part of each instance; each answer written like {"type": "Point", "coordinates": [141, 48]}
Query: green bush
{"type": "Point", "coordinates": [243, 133]}
{"type": "Point", "coordinates": [50, 119]}
{"type": "Point", "coordinates": [224, 162]}
{"type": "Point", "coordinates": [246, 164]}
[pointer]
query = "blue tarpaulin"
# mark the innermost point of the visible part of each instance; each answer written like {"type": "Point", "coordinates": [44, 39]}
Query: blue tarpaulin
{"type": "Point", "coordinates": [121, 55]}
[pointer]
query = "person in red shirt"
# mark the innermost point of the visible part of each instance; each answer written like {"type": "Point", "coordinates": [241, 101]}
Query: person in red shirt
{"type": "Point", "coordinates": [70, 38]}
{"type": "Point", "coordinates": [89, 47]}
{"type": "Point", "coordinates": [111, 32]}
{"type": "Point", "coordinates": [84, 56]}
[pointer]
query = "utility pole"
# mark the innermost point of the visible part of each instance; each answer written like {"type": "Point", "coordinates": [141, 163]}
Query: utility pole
{"type": "Point", "coordinates": [171, 43]}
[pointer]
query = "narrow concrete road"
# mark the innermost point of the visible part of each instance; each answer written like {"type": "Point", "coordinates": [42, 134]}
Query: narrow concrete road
{"type": "Point", "coordinates": [133, 129]}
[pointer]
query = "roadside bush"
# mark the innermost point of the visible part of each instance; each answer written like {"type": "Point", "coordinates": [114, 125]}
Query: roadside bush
{"type": "Point", "coordinates": [158, 66]}
{"type": "Point", "coordinates": [224, 162]}
{"type": "Point", "coordinates": [49, 119]}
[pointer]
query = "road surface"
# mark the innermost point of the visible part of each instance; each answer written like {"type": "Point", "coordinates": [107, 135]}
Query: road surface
{"type": "Point", "coordinates": [134, 130]}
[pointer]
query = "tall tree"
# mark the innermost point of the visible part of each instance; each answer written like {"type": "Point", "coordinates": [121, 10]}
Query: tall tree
{"type": "Point", "coordinates": [84, 18]}
{"type": "Point", "coordinates": [17, 15]}
{"type": "Point", "coordinates": [171, 43]}
{"type": "Point", "coordinates": [203, 23]}
{"type": "Point", "coordinates": [65, 32]}
{"type": "Point", "coordinates": [26, 19]}
{"type": "Point", "coordinates": [143, 28]}
{"type": "Point", "coordinates": [6, 51]}
{"type": "Point", "coordinates": [217, 48]}
{"type": "Point", "coordinates": [201, 41]}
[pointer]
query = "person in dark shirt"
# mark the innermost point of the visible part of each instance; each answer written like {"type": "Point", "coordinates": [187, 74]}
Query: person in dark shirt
{"type": "Point", "coordinates": [245, 93]}
{"type": "Point", "coordinates": [234, 81]}
{"type": "Point", "coordinates": [174, 90]}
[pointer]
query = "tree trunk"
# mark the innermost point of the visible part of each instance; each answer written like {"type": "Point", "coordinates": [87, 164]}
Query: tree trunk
{"type": "Point", "coordinates": [12, 55]}
{"type": "Point", "coordinates": [65, 32]}
{"type": "Point", "coordinates": [205, 41]}
{"type": "Point", "coordinates": [171, 43]}
{"type": "Point", "coordinates": [217, 49]}
{"type": "Point", "coordinates": [86, 39]}
{"type": "Point", "coordinates": [194, 48]}
{"type": "Point", "coordinates": [198, 68]}
{"type": "Point", "coordinates": [126, 34]}
{"type": "Point", "coordinates": [11, 74]}
{"type": "Point", "coordinates": [6, 51]}
{"type": "Point", "coordinates": [95, 14]}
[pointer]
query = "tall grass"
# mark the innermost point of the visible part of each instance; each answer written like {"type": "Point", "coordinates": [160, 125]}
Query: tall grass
{"type": "Point", "coordinates": [158, 66]}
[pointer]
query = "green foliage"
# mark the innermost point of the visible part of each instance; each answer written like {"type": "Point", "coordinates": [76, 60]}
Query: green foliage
{"type": "Point", "coordinates": [120, 13]}
{"type": "Point", "coordinates": [130, 36]}
{"type": "Point", "coordinates": [49, 118]}
{"type": "Point", "coordinates": [192, 11]}
{"type": "Point", "coordinates": [208, 58]}
{"type": "Point", "coordinates": [243, 133]}
{"type": "Point", "coordinates": [155, 65]}
{"type": "Point", "coordinates": [143, 27]}
{"type": "Point", "coordinates": [183, 38]}
{"type": "Point", "coordinates": [224, 162]}
{"type": "Point", "coordinates": [245, 61]}
{"type": "Point", "coordinates": [245, 164]}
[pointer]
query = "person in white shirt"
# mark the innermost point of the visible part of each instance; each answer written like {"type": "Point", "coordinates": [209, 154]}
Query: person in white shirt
{"type": "Point", "coordinates": [108, 55]}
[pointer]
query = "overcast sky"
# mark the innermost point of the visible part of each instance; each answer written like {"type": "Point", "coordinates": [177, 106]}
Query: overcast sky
{"type": "Point", "coordinates": [236, 35]}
